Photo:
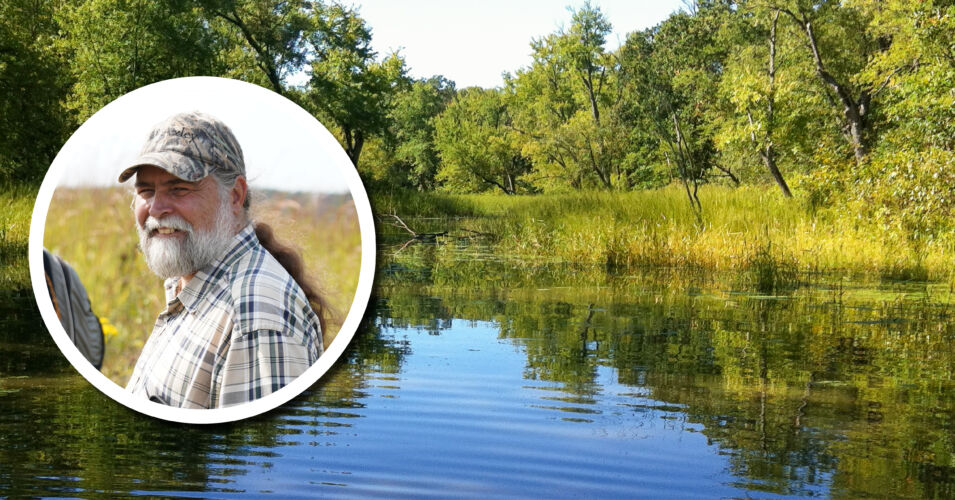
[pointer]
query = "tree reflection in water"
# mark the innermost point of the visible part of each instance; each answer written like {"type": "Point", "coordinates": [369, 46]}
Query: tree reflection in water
{"type": "Point", "coordinates": [850, 388]}
{"type": "Point", "coordinates": [828, 389]}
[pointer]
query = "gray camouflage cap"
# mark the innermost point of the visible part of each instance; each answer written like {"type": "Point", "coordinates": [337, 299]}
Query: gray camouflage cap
{"type": "Point", "coordinates": [189, 146]}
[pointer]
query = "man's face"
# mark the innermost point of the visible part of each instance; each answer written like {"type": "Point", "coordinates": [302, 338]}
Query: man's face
{"type": "Point", "coordinates": [183, 226]}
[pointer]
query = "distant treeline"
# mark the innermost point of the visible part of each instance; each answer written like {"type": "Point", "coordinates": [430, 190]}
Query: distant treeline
{"type": "Point", "coordinates": [848, 103]}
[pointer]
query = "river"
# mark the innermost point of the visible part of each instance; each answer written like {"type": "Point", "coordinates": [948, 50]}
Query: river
{"type": "Point", "coordinates": [476, 375]}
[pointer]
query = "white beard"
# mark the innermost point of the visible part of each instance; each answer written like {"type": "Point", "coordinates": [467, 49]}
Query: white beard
{"type": "Point", "coordinates": [174, 257]}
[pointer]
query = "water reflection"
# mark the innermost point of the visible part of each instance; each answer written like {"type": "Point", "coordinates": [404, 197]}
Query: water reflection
{"type": "Point", "coordinates": [831, 388]}
{"type": "Point", "coordinates": [24, 349]}
{"type": "Point", "coordinates": [485, 377]}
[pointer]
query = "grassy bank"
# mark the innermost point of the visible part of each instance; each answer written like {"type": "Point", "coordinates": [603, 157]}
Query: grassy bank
{"type": "Point", "coordinates": [16, 207]}
{"type": "Point", "coordinates": [770, 239]}
{"type": "Point", "coordinates": [748, 228]}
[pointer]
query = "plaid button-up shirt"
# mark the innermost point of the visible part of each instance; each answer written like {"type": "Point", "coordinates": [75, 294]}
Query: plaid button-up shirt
{"type": "Point", "coordinates": [240, 329]}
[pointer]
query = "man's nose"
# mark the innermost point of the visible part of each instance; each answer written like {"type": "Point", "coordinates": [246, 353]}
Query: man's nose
{"type": "Point", "coordinates": [159, 206]}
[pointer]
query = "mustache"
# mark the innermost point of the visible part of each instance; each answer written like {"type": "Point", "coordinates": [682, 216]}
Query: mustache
{"type": "Point", "coordinates": [172, 222]}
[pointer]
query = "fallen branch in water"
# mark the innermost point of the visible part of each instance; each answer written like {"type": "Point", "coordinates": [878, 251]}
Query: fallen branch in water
{"type": "Point", "coordinates": [416, 235]}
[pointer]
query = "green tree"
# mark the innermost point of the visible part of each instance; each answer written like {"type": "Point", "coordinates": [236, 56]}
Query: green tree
{"type": "Point", "coordinates": [477, 144]}
{"type": "Point", "coordinates": [413, 132]}
{"type": "Point", "coordinates": [269, 37]}
{"type": "Point", "coordinates": [669, 76]}
{"type": "Point", "coordinates": [404, 156]}
{"type": "Point", "coordinates": [349, 86]}
{"type": "Point", "coordinates": [909, 184]}
{"type": "Point", "coordinates": [652, 105]}
{"type": "Point", "coordinates": [33, 84]}
{"type": "Point", "coordinates": [768, 117]}
{"type": "Point", "coordinates": [563, 105]}
{"type": "Point", "coordinates": [116, 46]}
{"type": "Point", "coordinates": [839, 42]}
{"type": "Point", "coordinates": [764, 141]}
{"type": "Point", "coordinates": [916, 71]}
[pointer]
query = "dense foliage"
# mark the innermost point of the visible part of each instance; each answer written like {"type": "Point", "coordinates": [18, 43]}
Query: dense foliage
{"type": "Point", "coordinates": [846, 103]}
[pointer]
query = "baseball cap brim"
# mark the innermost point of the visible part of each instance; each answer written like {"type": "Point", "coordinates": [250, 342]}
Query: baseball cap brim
{"type": "Point", "coordinates": [178, 164]}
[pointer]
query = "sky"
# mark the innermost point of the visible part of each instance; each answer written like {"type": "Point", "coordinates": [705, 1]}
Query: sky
{"type": "Point", "coordinates": [285, 148]}
{"type": "Point", "coordinates": [473, 43]}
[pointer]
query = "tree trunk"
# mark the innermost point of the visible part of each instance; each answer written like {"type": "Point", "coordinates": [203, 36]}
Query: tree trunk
{"type": "Point", "coordinates": [596, 167]}
{"type": "Point", "coordinates": [355, 151]}
{"type": "Point", "coordinates": [857, 127]}
{"type": "Point", "coordinates": [768, 153]}
{"type": "Point", "coordinates": [266, 60]}
{"type": "Point", "coordinates": [594, 110]}
{"type": "Point", "coordinates": [769, 159]}
{"type": "Point", "coordinates": [853, 111]}
{"type": "Point", "coordinates": [684, 163]}
{"type": "Point", "coordinates": [354, 140]}
{"type": "Point", "coordinates": [493, 182]}
{"type": "Point", "coordinates": [729, 173]}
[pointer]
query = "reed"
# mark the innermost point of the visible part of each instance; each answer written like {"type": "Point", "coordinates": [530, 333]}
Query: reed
{"type": "Point", "coordinates": [16, 207]}
{"type": "Point", "coordinates": [744, 229]}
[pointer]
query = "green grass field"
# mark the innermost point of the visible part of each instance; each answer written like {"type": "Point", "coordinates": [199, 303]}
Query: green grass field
{"type": "Point", "coordinates": [93, 229]}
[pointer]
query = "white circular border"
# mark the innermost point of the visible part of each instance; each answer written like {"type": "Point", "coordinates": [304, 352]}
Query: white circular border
{"type": "Point", "coordinates": [216, 415]}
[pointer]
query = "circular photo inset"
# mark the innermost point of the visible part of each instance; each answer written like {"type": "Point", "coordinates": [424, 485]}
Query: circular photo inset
{"type": "Point", "coordinates": [202, 250]}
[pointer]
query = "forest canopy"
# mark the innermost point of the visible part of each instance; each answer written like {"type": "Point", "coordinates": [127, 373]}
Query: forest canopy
{"type": "Point", "coordinates": [844, 103]}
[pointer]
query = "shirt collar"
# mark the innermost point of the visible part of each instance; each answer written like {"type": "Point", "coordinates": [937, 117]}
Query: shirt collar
{"type": "Point", "coordinates": [209, 277]}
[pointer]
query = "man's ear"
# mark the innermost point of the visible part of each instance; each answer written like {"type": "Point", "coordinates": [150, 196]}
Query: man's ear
{"type": "Point", "coordinates": [239, 191]}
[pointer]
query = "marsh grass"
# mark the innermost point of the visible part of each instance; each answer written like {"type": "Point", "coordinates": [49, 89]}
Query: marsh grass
{"type": "Point", "coordinates": [16, 207]}
{"type": "Point", "coordinates": [771, 272]}
{"type": "Point", "coordinates": [93, 229]}
{"type": "Point", "coordinates": [752, 229]}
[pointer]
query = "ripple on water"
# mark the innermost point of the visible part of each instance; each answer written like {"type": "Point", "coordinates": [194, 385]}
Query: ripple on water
{"type": "Point", "coordinates": [453, 433]}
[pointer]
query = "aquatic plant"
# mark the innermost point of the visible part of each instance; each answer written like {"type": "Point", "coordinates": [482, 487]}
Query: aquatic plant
{"type": "Point", "coordinates": [657, 228]}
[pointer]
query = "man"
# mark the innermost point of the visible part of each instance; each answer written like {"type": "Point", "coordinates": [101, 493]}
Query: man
{"type": "Point", "coordinates": [237, 326]}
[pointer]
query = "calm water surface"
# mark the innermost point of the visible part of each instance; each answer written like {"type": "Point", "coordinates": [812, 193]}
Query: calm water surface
{"type": "Point", "coordinates": [482, 377]}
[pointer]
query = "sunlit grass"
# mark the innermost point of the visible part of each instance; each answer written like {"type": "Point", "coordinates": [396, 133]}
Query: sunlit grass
{"type": "Point", "coordinates": [750, 229]}
{"type": "Point", "coordinates": [16, 207]}
{"type": "Point", "coordinates": [93, 230]}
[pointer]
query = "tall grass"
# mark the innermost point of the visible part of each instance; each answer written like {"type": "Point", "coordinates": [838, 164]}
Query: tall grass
{"type": "Point", "coordinates": [16, 207]}
{"type": "Point", "coordinates": [751, 229]}
{"type": "Point", "coordinates": [93, 229]}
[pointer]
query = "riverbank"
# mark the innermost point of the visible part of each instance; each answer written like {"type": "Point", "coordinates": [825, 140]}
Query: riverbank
{"type": "Point", "coordinates": [772, 242]}
{"type": "Point", "coordinates": [749, 228]}
{"type": "Point", "coordinates": [738, 229]}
